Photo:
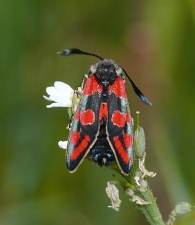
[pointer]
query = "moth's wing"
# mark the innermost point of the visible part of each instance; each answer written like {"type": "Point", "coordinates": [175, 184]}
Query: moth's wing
{"type": "Point", "coordinates": [119, 126]}
{"type": "Point", "coordinates": [85, 125]}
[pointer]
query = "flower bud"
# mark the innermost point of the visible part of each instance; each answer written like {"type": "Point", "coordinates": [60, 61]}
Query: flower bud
{"type": "Point", "coordinates": [183, 207]}
{"type": "Point", "coordinates": [140, 143]}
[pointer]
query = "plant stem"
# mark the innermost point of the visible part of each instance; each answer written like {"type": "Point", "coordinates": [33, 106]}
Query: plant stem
{"type": "Point", "coordinates": [151, 211]}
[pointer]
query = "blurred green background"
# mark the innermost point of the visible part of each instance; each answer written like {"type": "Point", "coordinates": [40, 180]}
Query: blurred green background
{"type": "Point", "coordinates": [155, 42]}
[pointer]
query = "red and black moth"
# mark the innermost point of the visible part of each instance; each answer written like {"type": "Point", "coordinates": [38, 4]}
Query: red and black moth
{"type": "Point", "coordinates": [101, 128]}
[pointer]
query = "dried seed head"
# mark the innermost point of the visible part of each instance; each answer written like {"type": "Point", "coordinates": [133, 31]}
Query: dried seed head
{"type": "Point", "coordinates": [113, 194]}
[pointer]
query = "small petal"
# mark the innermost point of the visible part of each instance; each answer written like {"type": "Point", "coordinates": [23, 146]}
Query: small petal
{"type": "Point", "coordinates": [62, 87]}
{"type": "Point", "coordinates": [135, 198]}
{"type": "Point", "coordinates": [60, 94]}
{"type": "Point", "coordinates": [51, 91]}
{"type": "Point", "coordinates": [63, 144]}
{"type": "Point", "coordinates": [61, 99]}
{"type": "Point", "coordinates": [54, 105]}
{"type": "Point", "coordinates": [143, 169]}
{"type": "Point", "coordinates": [47, 98]}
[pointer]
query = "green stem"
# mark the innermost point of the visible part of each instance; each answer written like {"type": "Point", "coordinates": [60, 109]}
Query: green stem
{"type": "Point", "coordinates": [151, 211]}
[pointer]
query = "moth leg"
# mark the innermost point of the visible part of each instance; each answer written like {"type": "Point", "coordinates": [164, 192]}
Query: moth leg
{"type": "Point", "coordinates": [83, 81]}
{"type": "Point", "coordinates": [76, 99]}
{"type": "Point", "coordinates": [78, 94]}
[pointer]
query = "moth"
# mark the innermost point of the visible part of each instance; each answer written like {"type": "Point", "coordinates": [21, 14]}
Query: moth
{"type": "Point", "coordinates": [101, 127]}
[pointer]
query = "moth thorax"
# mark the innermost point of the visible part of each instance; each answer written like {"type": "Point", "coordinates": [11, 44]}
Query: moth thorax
{"type": "Point", "coordinates": [106, 71]}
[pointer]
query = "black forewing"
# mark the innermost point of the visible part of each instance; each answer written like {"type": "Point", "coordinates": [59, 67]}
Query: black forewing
{"type": "Point", "coordinates": [86, 134]}
{"type": "Point", "coordinates": [117, 134]}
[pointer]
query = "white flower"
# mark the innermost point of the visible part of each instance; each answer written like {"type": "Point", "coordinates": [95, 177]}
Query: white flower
{"type": "Point", "coordinates": [61, 94]}
{"type": "Point", "coordinates": [63, 144]}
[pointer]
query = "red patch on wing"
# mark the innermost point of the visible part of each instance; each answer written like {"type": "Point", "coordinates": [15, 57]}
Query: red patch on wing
{"type": "Point", "coordinates": [118, 88]}
{"type": "Point", "coordinates": [74, 138]}
{"type": "Point", "coordinates": [103, 111]}
{"type": "Point", "coordinates": [87, 117]}
{"type": "Point", "coordinates": [123, 153]}
{"type": "Point", "coordinates": [77, 115]}
{"type": "Point", "coordinates": [83, 145]}
{"type": "Point", "coordinates": [92, 86]}
{"type": "Point", "coordinates": [128, 140]}
{"type": "Point", "coordinates": [128, 118]}
{"type": "Point", "coordinates": [118, 118]}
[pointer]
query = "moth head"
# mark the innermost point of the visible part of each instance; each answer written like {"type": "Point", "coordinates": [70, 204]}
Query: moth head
{"type": "Point", "coordinates": [106, 70]}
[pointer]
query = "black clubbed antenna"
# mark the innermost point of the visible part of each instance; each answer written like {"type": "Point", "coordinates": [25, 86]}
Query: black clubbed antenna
{"type": "Point", "coordinates": [136, 90]}
{"type": "Point", "coordinates": [71, 51]}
